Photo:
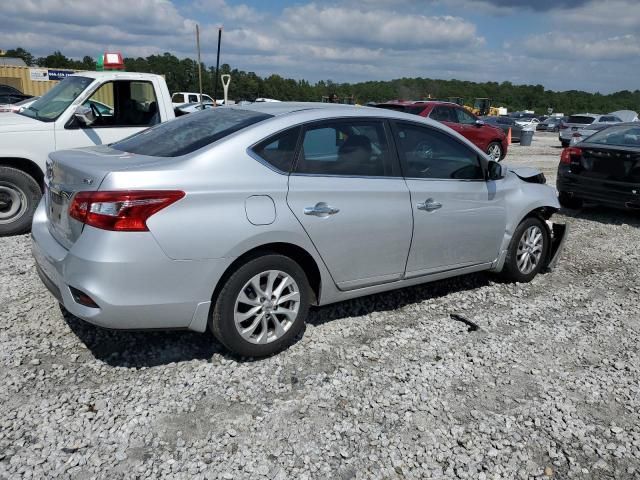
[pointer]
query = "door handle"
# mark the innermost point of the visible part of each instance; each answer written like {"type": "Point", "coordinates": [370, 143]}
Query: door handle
{"type": "Point", "coordinates": [321, 209]}
{"type": "Point", "coordinates": [429, 205]}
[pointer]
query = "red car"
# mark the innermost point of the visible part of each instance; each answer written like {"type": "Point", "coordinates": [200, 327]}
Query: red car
{"type": "Point", "coordinates": [488, 138]}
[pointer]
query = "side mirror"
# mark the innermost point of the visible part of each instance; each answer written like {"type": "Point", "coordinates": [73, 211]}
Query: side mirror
{"type": "Point", "coordinates": [479, 123]}
{"type": "Point", "coordinates": [495, 171]}
{"type": "Point", "coordinates": [84, 115]}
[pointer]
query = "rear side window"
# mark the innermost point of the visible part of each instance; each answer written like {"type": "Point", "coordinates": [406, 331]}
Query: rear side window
{"type": "Point", "coordinates": [428, 153]}
{"type": "Point", "coordinates": [580, 119]}
{"type": "Point", "coordinates": [189, 133]}
{"type": "Point", "coordinates": [193, 98]}
{"type": "Point", "coordinates": [279, 150]}
{"type": "Point", "coordinates": [348, 148]}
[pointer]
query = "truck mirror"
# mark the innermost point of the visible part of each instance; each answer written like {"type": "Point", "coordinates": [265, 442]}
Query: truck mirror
{"type": "Point", "coordinates": [84, 115]}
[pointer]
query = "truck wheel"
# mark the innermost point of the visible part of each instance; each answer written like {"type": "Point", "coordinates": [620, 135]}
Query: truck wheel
{"type": "Point", "coordinates": [19, 197]}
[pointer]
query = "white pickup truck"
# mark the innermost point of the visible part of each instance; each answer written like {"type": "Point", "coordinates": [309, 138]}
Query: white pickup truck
{"type": "Point", "coordinates": [84, 109]}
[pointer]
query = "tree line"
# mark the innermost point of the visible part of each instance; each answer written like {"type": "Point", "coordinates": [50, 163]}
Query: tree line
{"type": "Point", "coordinates": [182, 75]}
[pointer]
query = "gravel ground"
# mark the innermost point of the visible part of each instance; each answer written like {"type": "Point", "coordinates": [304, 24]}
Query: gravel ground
{"type": "Point", "coordinates": [387, 386]}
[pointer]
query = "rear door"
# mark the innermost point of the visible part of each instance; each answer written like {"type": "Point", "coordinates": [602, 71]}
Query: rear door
{"type": "Point", "coordinates": [459, 218]}
{"type": "Point", "coordinates": [347, 192]}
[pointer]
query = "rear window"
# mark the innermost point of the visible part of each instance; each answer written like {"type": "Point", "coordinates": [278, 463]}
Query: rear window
{"type": "Point", "coordinates": [413, 109]}
{"type": "Point", "coordinates": [580, 119]}
{"type": "Point", "coordinates": [189, 133]}
{"type": "Point", "coordinates": [628, 136]}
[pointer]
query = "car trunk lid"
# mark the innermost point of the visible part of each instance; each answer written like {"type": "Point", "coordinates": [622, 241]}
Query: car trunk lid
{"type": "Point", "coordinates": [613, 167]}
{"type": "Point", "coordinates": [72, 171]}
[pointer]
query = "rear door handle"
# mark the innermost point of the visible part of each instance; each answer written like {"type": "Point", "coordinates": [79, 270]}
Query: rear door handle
{"type": "Point", "coordinates": [321, 209]}
{"type": "Point", "coordinates": [429, 205]}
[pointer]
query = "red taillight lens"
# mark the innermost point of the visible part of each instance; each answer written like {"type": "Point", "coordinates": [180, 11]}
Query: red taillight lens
{"type": "Point", "coordinates": [125, 211]}
{"type": "Point", "coordinates": [562, 126]}
{"type": "Point", "coordinates": [569, 152]}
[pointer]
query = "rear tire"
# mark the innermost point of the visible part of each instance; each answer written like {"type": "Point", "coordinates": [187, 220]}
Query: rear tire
{"type": "Point", "coordinates": [567, 201]}
{"type": "Point", "coordinates": [19, 197]}
{"type": "Point", "coordinates": [255, 315]}
{"type": "Point", "coordinates": [527, 251]}
{"type": "Point", "coordinates": [494, 150]}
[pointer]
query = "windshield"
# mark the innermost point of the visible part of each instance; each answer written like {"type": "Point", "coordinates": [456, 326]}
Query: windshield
{"type": "Point", "coordinates": [189, 133]}
{"type": "Point", "coordinates": [51, 105]}
{"type": "Point", "coordinates": [618, 135]}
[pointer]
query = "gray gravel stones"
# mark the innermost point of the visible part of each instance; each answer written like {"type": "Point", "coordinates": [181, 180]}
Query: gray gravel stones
{"type": "Point", "coordinates": [383, 387]}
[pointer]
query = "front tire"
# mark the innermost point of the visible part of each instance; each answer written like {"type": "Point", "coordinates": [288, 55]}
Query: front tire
{"type": "Point", "coordinates": [494, 150]}
{"type": "Point", "coordinates": [527, 251]}
{"type": "Point", "coordinates": [19, 197]}
{"type": "Point", "coordinates": [262, 306]}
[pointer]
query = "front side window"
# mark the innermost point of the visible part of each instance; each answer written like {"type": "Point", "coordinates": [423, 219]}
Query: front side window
{"type": "Point", "coordinates": [443, 114]}
{"type": "Point", "coordinates": [193, 98]}
{"type": "Point", "coordinates": [279, 150]}
{"type": "Point", "coordinates": [428, 153]}
{"type": "Point", "coordinates": [350, 148]}
{"type": "Point", "coordinates": [51, 105]}
{"type": "Point", "coordinates": [189, 133]}
{"type": "Point", "coordinates": [465, 117]}
{"type": "Point", "coordinates": [124, 103]}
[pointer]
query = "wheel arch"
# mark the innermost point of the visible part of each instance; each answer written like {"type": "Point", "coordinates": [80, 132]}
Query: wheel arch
{"type": "Point", "coordinates": [295, 252]}
{"type": "Point", "coordinates": [25, 165]}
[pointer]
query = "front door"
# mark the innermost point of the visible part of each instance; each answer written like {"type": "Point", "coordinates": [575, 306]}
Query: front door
{"type": "Point", "coordinates": [459, 218]}
{"type": "Point", "coordinates": [121, 108]}
{"type": "Point", "coordinates": [347, 192]}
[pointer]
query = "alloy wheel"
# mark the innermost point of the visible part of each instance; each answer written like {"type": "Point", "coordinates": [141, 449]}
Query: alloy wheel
{"type": "Point", "coordinates": [530, 247]}
{"type": "Point", "coordinates": [266, 307]}
{"type": "Point", "coordinates": [495, 152]}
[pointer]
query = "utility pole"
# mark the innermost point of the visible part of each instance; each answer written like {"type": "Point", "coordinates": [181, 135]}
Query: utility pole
{"type": "Point", "coordinates": [215, 79]}
{"type": "Point", "coordinates": [199, 62]}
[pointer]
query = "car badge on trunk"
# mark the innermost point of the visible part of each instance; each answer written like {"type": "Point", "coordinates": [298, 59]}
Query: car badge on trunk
{"type": "Point", "coordinates": [88, 181]}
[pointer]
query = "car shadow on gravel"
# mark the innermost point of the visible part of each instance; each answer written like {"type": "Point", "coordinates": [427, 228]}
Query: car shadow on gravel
{"type": "Point", "coordinates": [600, 214]}
{"type": "Point", "coordinates": [396, 299]}
{"type": "Point", "coordinates": [137, 349]}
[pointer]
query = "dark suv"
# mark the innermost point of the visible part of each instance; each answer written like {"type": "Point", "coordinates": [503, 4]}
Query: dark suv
{"type": "Point", "coordinates": [488, 138]}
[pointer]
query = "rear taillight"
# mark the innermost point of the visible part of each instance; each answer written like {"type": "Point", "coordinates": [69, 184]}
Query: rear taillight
{"type": "Point", "coordinates": [563, 126]}
{"type": "Point", "coordinates": [125, 211]}
{"type": "Point", "coordinates": [576, 134]}
{"type": "Point", "coordinates": [569, 152]}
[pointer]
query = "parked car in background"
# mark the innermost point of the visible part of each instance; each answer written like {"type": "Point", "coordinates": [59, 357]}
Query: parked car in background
{"type": "Point", "coordinates": [551, 124]}
{"type": "Point", "coordinates": [490, 139]}
{"type": "Point", "coordinates": [529, 123]}
{"type": "Point", "coordinates": [16, 107]}
{"type": "Point", "coordinates": [181, 98]}
{"type": "Point", "coordinates": [505, 123]}
{"type": "Point", "coordinates": [9, 95]}
{"type": "Point", "coordinates": [585, 132]}
{"type": "Point", "coordinates": [626, 115]}
{"type": "Point", "coordinates": [244, 239]}
{"type": "Point", "coordinates": [604, 168]}
{"type": "Point", "coordinates": [578, 121]}
{"type": "Point", "coordinates": [192, 108]}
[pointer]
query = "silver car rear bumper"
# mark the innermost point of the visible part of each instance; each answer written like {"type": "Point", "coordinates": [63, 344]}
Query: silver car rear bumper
{"type": "Point", "coordinates": [135, 285]}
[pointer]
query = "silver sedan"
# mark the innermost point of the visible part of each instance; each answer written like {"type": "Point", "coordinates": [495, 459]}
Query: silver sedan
{"type": "Point", "coordinates": [241, 218]}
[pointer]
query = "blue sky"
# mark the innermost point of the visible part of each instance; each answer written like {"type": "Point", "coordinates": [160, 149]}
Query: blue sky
{"type": "Point", "coordinates": [591, 45]}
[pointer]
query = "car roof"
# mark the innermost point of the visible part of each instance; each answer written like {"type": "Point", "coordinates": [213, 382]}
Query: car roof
{"type": "Point", "coordinates": [281, 108]}
{"type": "Point", "coordinates": [117, 74]}
{"type": "Point", "coordinates": [418, 102]}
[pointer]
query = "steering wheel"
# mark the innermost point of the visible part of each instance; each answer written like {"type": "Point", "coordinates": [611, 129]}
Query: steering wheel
{"type": "Point", "coordinates": [95, 111]}
{"type": "Point", "coordinates": [424, 150]}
